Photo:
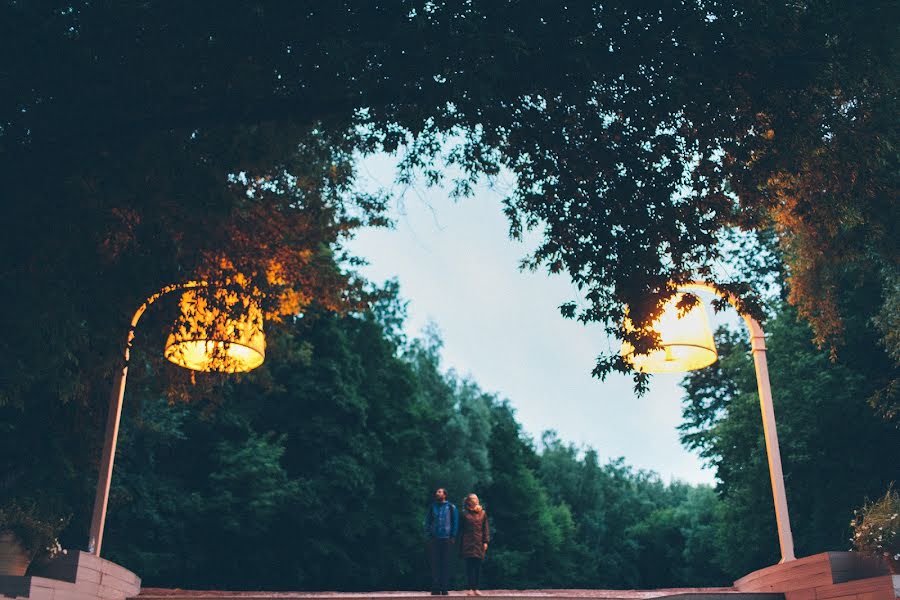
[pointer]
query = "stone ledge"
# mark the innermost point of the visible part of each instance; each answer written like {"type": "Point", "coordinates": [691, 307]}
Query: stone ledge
{"type": "Point", "coordinates": [825, 576]}
{"type": "Point", "coordinates": [75, 576]}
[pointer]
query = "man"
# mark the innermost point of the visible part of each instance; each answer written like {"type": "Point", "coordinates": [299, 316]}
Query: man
{"type": "Point", "coordinates": [441, 526]}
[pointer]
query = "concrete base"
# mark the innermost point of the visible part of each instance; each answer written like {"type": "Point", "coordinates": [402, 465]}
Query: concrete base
{"type": "Point", "coordinates": [826, 576]}
{"type": "Point", "coordinates": [74, 576]}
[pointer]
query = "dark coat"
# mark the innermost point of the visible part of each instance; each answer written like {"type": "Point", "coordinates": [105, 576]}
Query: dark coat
{"type": "Point", "coordinates": [474, 534]}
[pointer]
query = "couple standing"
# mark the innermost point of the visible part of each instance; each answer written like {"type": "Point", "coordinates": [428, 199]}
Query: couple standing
{"type": "Point", "coordinates": [442, 524]}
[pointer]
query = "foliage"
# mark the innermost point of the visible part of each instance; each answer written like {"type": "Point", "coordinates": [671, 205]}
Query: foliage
{"type": "Point", "coordinates": [641, 134]}
{"type": "Point", "coordinates": [32, 526]}
{"type": "Point", "coordinates": [876, 526]}
{"type": "Point", "coordinates": [43, 466]}
{"type": "Point", "coordinates": [631, 530]}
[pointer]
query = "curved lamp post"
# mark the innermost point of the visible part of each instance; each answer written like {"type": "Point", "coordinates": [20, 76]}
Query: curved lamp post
{"type": "Point", "coordinates": [687, 344]}
{"type": "Point", "coordinates": [202, 340]}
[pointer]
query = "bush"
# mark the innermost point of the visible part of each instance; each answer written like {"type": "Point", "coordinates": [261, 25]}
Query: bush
{"type": "Point", "coordinates": [876, 526]}
{"type": "Point", "coordinates": [35, 530]}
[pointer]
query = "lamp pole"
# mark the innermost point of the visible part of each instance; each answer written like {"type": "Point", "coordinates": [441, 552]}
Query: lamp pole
{"type": "Point", "coordinates": [98, 520]}
{"type": "Point", "coordinates": [758, 346]}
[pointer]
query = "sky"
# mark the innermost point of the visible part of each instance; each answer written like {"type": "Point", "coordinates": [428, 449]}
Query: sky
{"type": "Point", "coordinates": [501, 326]}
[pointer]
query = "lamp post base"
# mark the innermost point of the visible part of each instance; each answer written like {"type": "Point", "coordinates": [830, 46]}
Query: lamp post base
{"type": "Point", "coordinates": [831, 575]}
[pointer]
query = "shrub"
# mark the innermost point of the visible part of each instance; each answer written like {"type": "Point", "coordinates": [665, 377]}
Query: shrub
{"type": "Point", "coordinates": [35, 530]}
{"type": "Point", "coordinates": [876, 526]}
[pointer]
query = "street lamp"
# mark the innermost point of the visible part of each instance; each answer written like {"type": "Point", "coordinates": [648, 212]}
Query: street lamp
{"type": "Point", "coordinates": [686, 345]}
{"type": "Point", "coordinates": [203, 339]}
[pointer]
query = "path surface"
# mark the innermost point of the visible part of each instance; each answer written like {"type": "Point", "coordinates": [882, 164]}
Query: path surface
{"type": "Point", "coordinates": [172, 594]}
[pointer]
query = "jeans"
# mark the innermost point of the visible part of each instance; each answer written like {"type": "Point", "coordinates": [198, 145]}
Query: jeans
{"type": "Point", "coordinates": [440, 564]}
{"type": "Point", "coordinates": [473, 572]}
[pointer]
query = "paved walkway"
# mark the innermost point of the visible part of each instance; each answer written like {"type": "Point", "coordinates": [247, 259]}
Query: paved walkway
{"type": "Point", "coordinates": [172, 594]}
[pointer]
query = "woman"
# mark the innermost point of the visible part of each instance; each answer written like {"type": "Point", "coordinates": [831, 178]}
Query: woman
{"type": "Point", "coordinates": [473, 542]}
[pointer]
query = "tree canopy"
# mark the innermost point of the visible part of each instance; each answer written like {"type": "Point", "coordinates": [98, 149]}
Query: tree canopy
{"type": "Point", "coordinates": [146, 143]}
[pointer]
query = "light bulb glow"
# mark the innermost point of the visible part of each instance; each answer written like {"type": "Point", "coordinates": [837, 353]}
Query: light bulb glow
{"type": "Point", "coordinates": [687, 342]}
{"type": "Point", "coordinates": [206, 339]}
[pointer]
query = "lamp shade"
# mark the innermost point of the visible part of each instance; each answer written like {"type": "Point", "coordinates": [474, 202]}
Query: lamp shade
{"type": "Point", "coordinates": [205, 338]}
{"type": "Point", "coordinates": [687, 342]}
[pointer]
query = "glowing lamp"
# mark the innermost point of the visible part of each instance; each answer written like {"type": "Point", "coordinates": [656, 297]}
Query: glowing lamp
{"type": "Point", "coordinates": [687, 341]}
{"type": "Point", "coordinates": [205, 338]}
{"type": "Point", "coordinates": [687, 344]}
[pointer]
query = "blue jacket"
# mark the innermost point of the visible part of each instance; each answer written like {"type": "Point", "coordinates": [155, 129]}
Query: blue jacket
{"type": "Point", "coordinates": [442, 521]}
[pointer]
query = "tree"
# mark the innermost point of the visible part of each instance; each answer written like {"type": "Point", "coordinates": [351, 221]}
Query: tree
{"type": "Point", "coordinates": [316, 461]}
{"type": "Point", "coordinates": [629, 529]}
